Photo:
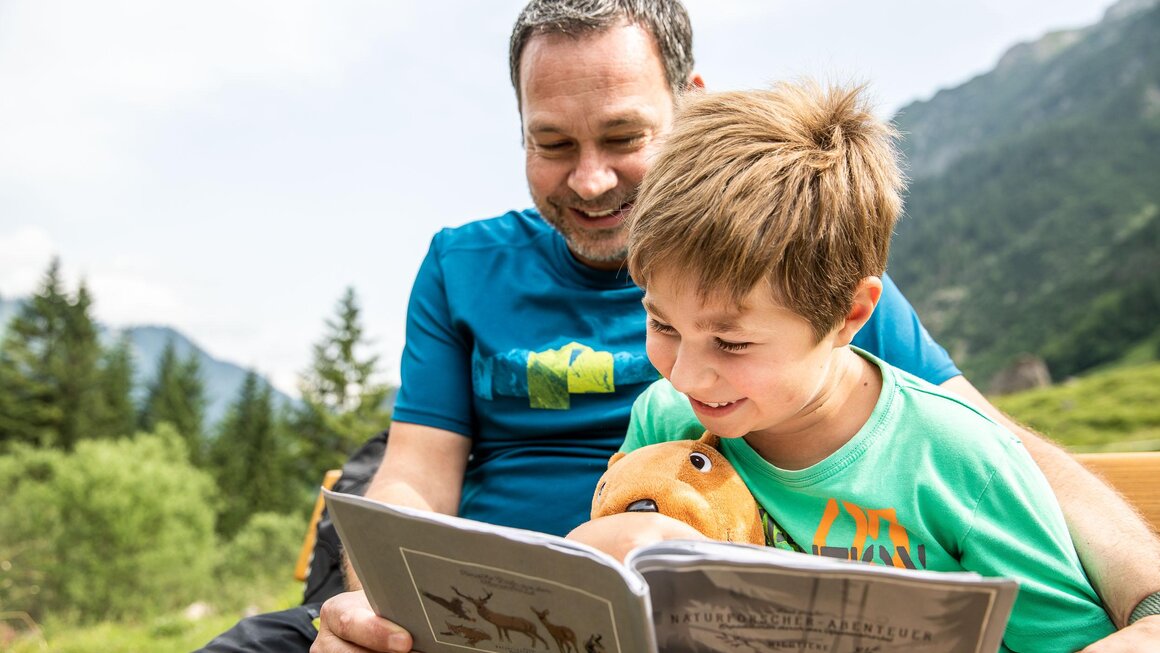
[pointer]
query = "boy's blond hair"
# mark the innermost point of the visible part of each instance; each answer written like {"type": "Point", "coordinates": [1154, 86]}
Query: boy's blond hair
{"type": "Point", "coordinates": [798, 185]}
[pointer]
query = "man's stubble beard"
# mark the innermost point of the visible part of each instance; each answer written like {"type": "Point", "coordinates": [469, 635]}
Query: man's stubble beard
{"type": "Point", "coordinates": [595, 245]}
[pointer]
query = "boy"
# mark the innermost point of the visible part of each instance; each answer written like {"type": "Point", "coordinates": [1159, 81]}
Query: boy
{"type": "Point", "coordinates": [760, 235]}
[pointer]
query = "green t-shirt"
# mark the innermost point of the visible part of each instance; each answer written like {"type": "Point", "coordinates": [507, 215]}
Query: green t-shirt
{"type": "Point", "coordinates": [929, 483]}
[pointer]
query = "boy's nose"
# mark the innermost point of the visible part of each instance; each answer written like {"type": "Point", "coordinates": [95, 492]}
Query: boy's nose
{"type": "Point", "coordinates": [691, 374]}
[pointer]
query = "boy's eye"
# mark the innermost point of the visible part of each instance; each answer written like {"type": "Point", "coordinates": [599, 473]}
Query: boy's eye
{"type": "Point", "coordinates": [660, 327]}
{"type": "Point", "coordinates": [725, 345]}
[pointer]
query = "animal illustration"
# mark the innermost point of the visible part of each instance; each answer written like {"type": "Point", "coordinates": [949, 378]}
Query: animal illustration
{"type": "Point", "coordinates": [688, 480]}
{"type": "Point", "coordinates": [454, 606]}
{"type": "Point", "coordinates": [504, 622]}
{"type": "Point", "coordinates": [593, 645]}
{"type": "Point", "coordinates": [565, 638]}
{"type": "Point", "coordinates": [468, 633]}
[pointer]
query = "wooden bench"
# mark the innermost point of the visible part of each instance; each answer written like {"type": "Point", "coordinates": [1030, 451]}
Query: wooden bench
{"type": "Point", "coordinates": [302, 568]}
{"type": "Point", "coordinates": [1136, 475]}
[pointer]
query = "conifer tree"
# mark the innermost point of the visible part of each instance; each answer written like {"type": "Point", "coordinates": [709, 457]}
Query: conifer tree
{"type": "Point", "coordinates": [116, 414]}
{"type": "Point", "coordinates": [342, 397]}
{"type": "Point", "coordinates": [48, 368]}
{"type": "Point", "coordinates": [177, 396]}
{"type": "Point", "coordinates": [77, 372]}
{"type": "Point", "coordinates": [250, 460]}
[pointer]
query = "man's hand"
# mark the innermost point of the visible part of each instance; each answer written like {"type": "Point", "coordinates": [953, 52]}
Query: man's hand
{"type": "Point", "coordinates": [616, 535]}
{"type": "Point", "coordinates": [348, 625]}
{"type": "Point", "coordinates": [1141, 637]}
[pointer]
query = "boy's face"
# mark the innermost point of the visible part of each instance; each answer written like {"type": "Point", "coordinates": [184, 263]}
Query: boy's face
{"type": "Point", "coordinates": [750, 370]}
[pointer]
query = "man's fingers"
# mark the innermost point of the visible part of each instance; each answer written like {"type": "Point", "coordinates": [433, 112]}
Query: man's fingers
{"type": "Point", "coordinates": [348, 625]}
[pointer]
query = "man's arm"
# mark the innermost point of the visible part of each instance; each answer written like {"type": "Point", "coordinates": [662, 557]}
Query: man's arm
{"type": "Point", "coordinates": [422, 468]}
{"type": "Point", "coordinates": [1120, 554]}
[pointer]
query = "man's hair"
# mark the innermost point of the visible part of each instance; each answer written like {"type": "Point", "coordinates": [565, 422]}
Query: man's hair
{"type": "Point", "coordinates": [798, 186]}
{"type": "Point", "coordinates": [666, 20]}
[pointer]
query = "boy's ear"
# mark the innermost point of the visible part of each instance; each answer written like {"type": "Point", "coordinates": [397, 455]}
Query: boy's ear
{"type": "Point", "coordinates": [866, 297]}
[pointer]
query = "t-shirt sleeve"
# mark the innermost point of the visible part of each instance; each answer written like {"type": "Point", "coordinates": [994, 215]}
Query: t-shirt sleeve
{"type": "Point", "coordinates": [896, 335]}
{"type": "Point", "coordinates": [1018, 532]}
{"type": "Point", "coordinates": [436, 364]}
{"type": "Point", "coordinates": [660, 414]}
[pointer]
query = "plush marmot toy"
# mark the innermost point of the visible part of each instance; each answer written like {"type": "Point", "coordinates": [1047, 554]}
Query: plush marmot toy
{"type": "Point", "coordinates": [688, 480]}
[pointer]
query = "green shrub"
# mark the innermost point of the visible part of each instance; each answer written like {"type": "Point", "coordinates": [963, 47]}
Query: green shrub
{"type": "Point", "coordinates": [259, 561]}
{"type": "Point", "coordinates": [117, 528]}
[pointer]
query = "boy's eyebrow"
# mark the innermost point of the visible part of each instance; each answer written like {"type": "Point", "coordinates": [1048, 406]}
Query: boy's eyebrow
{"type": "Point", "coordinates": [652, 308]}
{"type": "Point", "coordinates": [723, 324]}
{"type": "Point", "coordinates": [719, 325]}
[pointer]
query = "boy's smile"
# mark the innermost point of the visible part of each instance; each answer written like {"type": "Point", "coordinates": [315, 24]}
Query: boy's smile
{"type": "Point", "coordinates": [757, 370]}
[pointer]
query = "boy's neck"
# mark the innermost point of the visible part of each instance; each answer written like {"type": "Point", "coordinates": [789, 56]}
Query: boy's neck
{"type": "Point", "coordinates": [843, 408]}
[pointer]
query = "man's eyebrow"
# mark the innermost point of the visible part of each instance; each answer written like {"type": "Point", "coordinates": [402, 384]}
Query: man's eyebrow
{"type": "Point", "coordinates": [633, 121]}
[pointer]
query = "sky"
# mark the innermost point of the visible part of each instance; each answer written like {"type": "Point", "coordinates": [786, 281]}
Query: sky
{"type": "Point", "coordinates": [230, 167]}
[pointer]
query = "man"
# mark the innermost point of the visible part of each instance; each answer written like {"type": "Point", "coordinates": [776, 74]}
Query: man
{"type": "Point", "coordinates": [525, 338]}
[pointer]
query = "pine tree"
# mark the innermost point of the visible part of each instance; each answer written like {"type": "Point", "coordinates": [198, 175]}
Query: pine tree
{"type": "Point", "coordinates": [77, 372]}
{"type": "Point", "coordinates": [177, 396]}
{"type": "Point", "coordinates": [342, 399]}
{"type": "Point", "coordinates": [48, 368]}
{"type": "Point", "coordinates": [116, 414]}
{"type": "Point", "coordinates": [250, 460]}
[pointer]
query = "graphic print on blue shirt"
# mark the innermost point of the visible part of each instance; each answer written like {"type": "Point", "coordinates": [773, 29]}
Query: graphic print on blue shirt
{"type": "Point", "coordinates": [550, 377]}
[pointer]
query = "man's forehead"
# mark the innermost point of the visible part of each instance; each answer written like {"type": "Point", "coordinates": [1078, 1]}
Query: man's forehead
{"type": "Point", "coordinates": [554, 63]}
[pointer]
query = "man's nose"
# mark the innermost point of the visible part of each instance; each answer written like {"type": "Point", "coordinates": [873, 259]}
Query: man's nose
{"type": "Point", "coordinates": [593, 175]}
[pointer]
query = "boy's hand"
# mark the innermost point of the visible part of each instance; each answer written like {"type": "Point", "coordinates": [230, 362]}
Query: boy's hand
{"type": "Point", "coordinates": [349, 625]}
{"type": "Point", "coordinates": [618, 534]}
{"type": "Point", "coordinates": [1141, 637]}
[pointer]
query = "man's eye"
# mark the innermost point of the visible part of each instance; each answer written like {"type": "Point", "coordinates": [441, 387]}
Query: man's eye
{"type": "Point", "coordinates": [725, 345]}
{"type": "Point", "coordinates": [626, 141]}
{"type": "Point", "coordinates": [660, 327]}
{"type": "Point", "coordinates": [552, 147]}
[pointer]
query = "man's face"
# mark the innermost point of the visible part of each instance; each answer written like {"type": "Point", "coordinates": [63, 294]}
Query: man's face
{"type": "Point", "coordinates": [594, 110]}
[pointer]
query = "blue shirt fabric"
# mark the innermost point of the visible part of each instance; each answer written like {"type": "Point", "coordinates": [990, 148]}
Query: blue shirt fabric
{"type": "Point", "coordinates": [538, 358]}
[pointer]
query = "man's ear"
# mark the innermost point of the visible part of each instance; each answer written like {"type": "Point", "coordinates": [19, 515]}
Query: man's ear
{"type": "Point", "coordinates": [695, 83]}
{"type": "Point", "coordinates": [866, 297]}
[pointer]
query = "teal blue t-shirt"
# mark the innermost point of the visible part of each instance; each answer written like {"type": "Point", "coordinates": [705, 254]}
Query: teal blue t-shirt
{"type": "Point", "coordinates": [927, 483]}
{"type": "Point", "coordinates": [538, 358]}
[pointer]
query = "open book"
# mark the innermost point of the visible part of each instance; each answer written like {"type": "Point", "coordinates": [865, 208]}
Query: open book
{"type": "Point", "coordinates": [459, 585]}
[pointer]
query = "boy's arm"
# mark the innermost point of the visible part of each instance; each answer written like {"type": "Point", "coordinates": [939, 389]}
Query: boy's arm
{"type": "Point", "coordinates": [1119, 552]}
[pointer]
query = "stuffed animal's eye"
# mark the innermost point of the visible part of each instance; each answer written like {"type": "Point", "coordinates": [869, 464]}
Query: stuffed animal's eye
{"type": "Point", "coordinates": [701, 462]}
{"type": "Point", "coordinates": [599, 491]}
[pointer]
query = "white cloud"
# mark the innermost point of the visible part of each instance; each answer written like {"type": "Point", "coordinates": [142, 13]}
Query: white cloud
{"type": "Point", "coordinates": [82, 79]}
{"type": "Point", "coordinates": [24, 257]}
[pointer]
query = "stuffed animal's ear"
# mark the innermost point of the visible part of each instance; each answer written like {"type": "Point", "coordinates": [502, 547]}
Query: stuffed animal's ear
{"type": "Point", "coordinates": [615, 457]}
{"type": "Point", "coordinates": [711, 440]}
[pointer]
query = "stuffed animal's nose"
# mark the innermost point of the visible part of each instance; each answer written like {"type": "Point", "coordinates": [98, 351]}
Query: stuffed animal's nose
{"type": "Point", "coordinates": [642, 505]}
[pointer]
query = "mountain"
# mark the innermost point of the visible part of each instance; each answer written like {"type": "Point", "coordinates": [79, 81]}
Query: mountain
{"type": "Point", "coordinates": [222, 379]}
{"type": "Point", "coordinates": [1033, 216]}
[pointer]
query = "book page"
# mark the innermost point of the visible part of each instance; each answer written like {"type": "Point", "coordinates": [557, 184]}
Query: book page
{"type": "Point", "coordinates": [720, 597]}
{"type": "Point", "coordinates": [460, 585]}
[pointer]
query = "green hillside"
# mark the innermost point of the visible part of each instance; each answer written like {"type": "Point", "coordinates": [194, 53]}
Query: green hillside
{"type": "Point", "coordinates": [1116, 409]}
{"type": "Point", "coordinates": [1033, 217]}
